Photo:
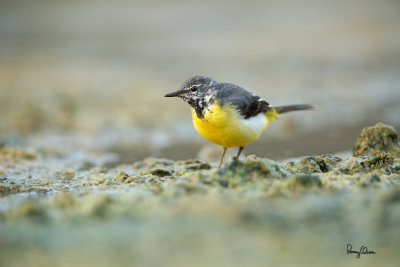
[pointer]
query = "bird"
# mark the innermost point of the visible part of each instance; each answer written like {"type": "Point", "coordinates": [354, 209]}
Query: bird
{"type": "Point", "coordinates": [227, 114]}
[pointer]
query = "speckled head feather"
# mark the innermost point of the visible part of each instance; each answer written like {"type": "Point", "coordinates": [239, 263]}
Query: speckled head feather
{"type": "Point", "coordinates": [199, 92]}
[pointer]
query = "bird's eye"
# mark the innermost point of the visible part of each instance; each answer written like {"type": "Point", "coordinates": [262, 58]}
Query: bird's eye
{"type": "Point", "coordinates": [193, 89]}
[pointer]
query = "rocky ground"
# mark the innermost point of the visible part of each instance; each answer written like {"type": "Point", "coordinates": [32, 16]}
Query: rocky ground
{"type": "Point", "coordinates": [59, 211]}
{"type": "Point", "coordinates": [94, 165]}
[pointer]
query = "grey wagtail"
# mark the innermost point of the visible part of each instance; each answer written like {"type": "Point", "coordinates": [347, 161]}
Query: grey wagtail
{"type": "Point", "coordinates": [227, 114]}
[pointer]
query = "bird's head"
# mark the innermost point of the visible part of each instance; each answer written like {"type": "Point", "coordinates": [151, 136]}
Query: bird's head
{"type": "Point", "coordinates": [197, 91]}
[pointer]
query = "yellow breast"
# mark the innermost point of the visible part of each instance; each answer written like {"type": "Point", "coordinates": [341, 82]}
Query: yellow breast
{"type": "Point", "coordinates": [226, 127]}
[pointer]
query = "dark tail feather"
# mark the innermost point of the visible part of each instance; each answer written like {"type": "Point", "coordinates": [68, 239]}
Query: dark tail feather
{"type": "Point", "coordinates": [290, 108]}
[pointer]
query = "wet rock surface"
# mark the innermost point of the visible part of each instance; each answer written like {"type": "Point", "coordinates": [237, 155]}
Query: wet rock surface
{"type": "Point", "coordinates": [255, 206]}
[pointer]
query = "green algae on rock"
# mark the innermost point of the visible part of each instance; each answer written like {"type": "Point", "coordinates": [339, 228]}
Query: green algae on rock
{"type": "Point", "coordinates": [122, 177]}
{"type": "Point", "coordinates": [382, 163]}
{"type": "Point", "coordinates": [376, 140]}
{"type": "Point", "coordinates": [304, 181]}
{"type": "Point", "coordinates": [9, 186]}
{"type": "Point", "coordinates": [315, 164]}
{"type": "Point", "coordinates": [249, 171]}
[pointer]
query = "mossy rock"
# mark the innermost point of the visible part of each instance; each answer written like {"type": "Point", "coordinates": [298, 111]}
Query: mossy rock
{"type": "Point", "coordinates": [122, 177]}
{"type": "Point", "coordinates": [317, 164]}
{"type": "Point", "coordinates": [304, 181]}
{"type": "Point", "coordinates": [382, 163]}
{"type": "Point", "coordinates": [251, 170]}
{"type": "Point", "coordinates": [8, 185]}
{"type": "Point", "coordinates": [376, 140]}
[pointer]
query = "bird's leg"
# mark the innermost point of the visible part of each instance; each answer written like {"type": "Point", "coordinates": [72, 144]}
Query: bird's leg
{"type": "Point", "coordinates": [239, 151]}
{"type": "Point", "coordinates": [222, 158]}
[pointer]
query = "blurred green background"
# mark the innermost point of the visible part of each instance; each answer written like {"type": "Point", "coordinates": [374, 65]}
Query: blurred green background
{"type": "Point", "coordinates": [92, 74]}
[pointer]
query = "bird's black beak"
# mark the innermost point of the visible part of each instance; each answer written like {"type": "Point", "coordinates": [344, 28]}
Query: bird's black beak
{"type": "Point", "coordinates": [173, 94]}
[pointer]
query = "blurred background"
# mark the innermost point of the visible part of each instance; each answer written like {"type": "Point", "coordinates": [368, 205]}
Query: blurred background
{"type": "Point", "coordinates": [92, 74]}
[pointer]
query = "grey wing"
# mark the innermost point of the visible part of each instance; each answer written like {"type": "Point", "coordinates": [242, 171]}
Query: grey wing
{"type": "Point", "coordinates": [248, 104]}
